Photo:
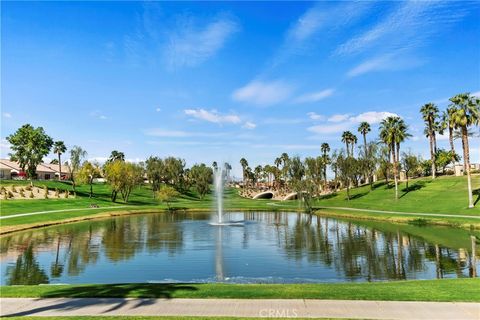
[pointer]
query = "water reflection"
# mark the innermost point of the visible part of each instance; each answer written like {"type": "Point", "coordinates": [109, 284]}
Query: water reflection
{"type": "Point", "coordinates": [275, 247]}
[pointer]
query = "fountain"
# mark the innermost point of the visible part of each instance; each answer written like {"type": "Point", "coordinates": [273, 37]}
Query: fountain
{"type": "Point", "coordinates": [219, 176]}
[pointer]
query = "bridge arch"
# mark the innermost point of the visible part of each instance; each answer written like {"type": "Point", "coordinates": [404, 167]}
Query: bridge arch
{"type": "Point", "coordinates": [264, 195]}
{"type": "Point", "coordinates": [291, 196]}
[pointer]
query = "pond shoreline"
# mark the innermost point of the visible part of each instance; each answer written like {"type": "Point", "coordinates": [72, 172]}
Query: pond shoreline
{"type": "Point", "coordinates": [334, 213]}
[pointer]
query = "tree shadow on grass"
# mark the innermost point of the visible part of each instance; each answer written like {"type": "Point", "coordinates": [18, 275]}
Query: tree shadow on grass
{"type": "Point", "coordinates": [328, 196]}
{"type": "Point", "coordinates": [476, 192]}
{"type": "Point", "coordinates": [378, 185]}
{"type": "Point", "coordinates": [358, 195]}
{"type": "Point", "coordinates": [413, 187]}
{"type": "Point", "coordinates": [101, 294]}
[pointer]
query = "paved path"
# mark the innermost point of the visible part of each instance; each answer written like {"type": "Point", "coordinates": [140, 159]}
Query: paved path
{"type": "Point", "coordinates": [405, 213]}
{"type": "Point", "coordinates": [54, 211]}
{"type": "Point", "coordinates": [239, 308]}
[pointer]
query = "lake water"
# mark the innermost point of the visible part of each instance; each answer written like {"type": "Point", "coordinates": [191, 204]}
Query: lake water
{"type": "Point", "coordinates": [275, 247]}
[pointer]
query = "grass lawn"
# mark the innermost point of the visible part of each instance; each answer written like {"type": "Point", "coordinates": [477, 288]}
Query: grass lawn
{"type": "Point", "coordinates": [445, 195]}
{"type": "Point", "coordinates": [420, 290]}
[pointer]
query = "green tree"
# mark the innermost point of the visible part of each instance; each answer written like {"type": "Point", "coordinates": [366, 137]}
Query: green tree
{"type": "Point", "coordinates": [123, 177]}
{"type": "Point", "coordinates": [59, 148]}
{"type": "Point", "coordinates": [429, 113]}
{"type": "Point", "coordinates": [244, 164]}
{"type": "Point", "coordinates": [116, 155]}
{"type": "Point", "coordinates": [444, 158]}
{"type": "Point", "coordinates": [410, 164]}
{"type": "Point", "coordinates": [202, 177]}
{"type": "Point", "coordinates": [314, 173]}
{"type": "Point", "coordinates": [155, 169]}
{"type": "Point", "coordinates": [347, 170]}
{"type": "Point", "coordinates": [369, 161]}
{"type": "Point", "coordinates": [29, 145]}
{"type": "Point", "coordinates": [167, 194]}
{"type": "Point", "coordinates": [77, 154]}
{"type": "Point", "coordinates": [87, 173]}
{"type": "Point", "coordinates": [466, 114]}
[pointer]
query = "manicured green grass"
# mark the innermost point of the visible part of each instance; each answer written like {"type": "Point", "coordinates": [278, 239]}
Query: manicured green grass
{"type": "Point", "coordinates": [420, 290]}
{"type": "Point", "coordinates": [446, 194]}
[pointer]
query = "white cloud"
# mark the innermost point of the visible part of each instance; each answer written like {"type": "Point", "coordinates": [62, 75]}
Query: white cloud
{"type": "Point", "coordinates": [7, 115]}
{"type": "Point", "coordinates": [384, 62]}
{"type": "Point", "coordinates": [263, 93]}
{"type": "Point", "coordinates": [315, 116]}
{"type": "Point", "coordinates": [158, 109]}
{"type": "Point", "coordinates": [330, 128]}
{"type": "Point", "coordinates": [309, 23]}
{"type": "Point", "coordinates": [212, 116]}
{"type": "Point", "coordinates": [338, 117]}
{"type": "Point", "coordinates": [249, 125]}
{"type": "Point", "coordinates": [372, 117]}
{"type": "Point", "coordinates": [190, 46]}
{"type": "Point", "coordinates": [411, 24]}
{"type": "Point", "coordinates": [157, 132]}
{"type": "Point", "coordinates": [315, 96]}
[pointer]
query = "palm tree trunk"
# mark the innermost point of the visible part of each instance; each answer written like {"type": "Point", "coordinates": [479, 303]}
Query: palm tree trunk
{"type": "Point", "coordinates": [452, 145]}
{"type": "Point", "coordinates": [432, 154]}
{"type": "Point", "coordinates": [466, 157]}
{"type": "Point", "coordinates": [348, 150]}
{"type": "Point", "coordinates": [59, 168]}
{"type": "Point", "coordinates": [395, 178]}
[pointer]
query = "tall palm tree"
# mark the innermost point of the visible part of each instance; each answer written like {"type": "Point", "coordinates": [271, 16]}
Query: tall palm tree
{"type": "Point", "coordinates": [346, 138]}
{"type": "Point", "coordinates": [447, 123]}
{"type": "Point", "coordinates": [429, 113]}
{"type": "Point", "coordinates": [59, 148]}
{"type": "Point", "coordinates": [393, 131]}
{"type": "Point", "coordinates": [466, 114]}
{"type": "Point", "coordinates": [364, 128]}
{"type": "Point", "coordinates": [353, 142]}
{"type": "Point", "coordinates": [325, 149]}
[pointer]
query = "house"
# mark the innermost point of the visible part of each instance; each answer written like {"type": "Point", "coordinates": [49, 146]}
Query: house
{"type": "Point", "coordinates": [11, 170]}
{"type": "Point", "coordinates": [65, 170]}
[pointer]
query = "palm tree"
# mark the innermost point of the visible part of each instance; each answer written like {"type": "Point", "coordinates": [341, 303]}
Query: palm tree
{"type": "Point", "coordinates": [346, 135]}
{"type": "Point", "coordinates": [447, 123]}
{"type": "Point", "coordinates": [429, 113]}
{"type": "Point", "coordinates": [466, 113]}
{"type": "Point", "coordinates": [325, 148]}
{"type": "Point", "coordinates": [244, 164]}
{"type": "Point", "coordinates": [364, 128]}
{"type": "Point", "coordinates": [393, 131]}
{"type": "Point", "coordinates": [353, 142]}
{"type": "Point", "coordinates": [59, 148]}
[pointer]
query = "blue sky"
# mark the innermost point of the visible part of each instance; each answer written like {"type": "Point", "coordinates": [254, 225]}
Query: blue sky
{"type": "Point", "coordinates": [219, 81]}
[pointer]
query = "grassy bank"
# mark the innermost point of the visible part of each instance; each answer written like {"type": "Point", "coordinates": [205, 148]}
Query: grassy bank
{"type": "Point", "coordinates": [420, 290]}
{"type": "Point", "coordinates": [445, 195]}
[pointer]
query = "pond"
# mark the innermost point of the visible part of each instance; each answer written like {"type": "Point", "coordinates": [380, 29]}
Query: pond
{"type": "Point", "coordinates": [276, 247]}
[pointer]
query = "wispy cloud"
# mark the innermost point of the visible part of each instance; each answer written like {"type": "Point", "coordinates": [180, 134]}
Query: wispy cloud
{"type": "Point", "coordinates": [190, 45]}
{"type": "Point", "coordinates": [315, 116]}
{"type": "Point", "coordinates": [262, 93]}
{"type": "Point", "coordinates": [412, 23]}
{"type": "Point", "coordinates": [314, 96]}
{"type": "Point", "coordinates": [344, 122]}
{"type": "Point", "coordinates": [316, 24]}
{"type": "Point", "coordinates": [338, 117]}
{"type": "Point", "coordinates": [384, 62]}
{"type": "Point", "coordinates": [212, 116]}
{"type": "Point", "coordinates": [7, 115]}
{"type": "Point", "coordinates": [249, 125]}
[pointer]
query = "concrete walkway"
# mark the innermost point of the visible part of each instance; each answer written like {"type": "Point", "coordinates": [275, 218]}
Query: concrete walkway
{"type": "Point", "coordinates": [239, 308]}
{"type": "Point", "coordinates": [54, 211]}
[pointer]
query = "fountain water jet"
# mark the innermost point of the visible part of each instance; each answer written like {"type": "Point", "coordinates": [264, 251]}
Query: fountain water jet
{"type": "Point", "coordinates": [219, 175]}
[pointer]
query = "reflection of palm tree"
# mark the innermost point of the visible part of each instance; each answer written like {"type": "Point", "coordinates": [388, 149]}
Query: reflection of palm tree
{"type": "Point", "coordinates": [57, 269]}
{"type": "Point", "coordinates": [26, 271]}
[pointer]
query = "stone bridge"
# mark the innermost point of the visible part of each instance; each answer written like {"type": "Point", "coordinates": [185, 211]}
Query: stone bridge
{"type": "Point", "coordinates": [271, 194]}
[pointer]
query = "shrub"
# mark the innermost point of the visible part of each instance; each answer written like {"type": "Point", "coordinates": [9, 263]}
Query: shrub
{"type": "Point", "coordinates": [28, 188]}
{"type": "Point", "coordinates": [13, 188]}
{"type": "Point", "coordinates": [45, 189]}
{"type": "Point", "coordinates": [31, 194]}
{"type": "Point", "coordinates": [10, 194]}
{"type": "Point", "coordinates": [22, 193]}
{"type": "Point", "coordinates": [3, 190]}
{"type": "Point", "coordinates": [5, 195]}
{"type": "Point", "coordinates": [57, 193]}
{"type": "Point", "coordinates": [66, 194]}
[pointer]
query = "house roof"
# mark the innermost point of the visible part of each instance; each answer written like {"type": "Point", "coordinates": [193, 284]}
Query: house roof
{"type": "Point", "coordinates": [54, 167]}
{"type": "Point", "coordinates": [12, 165]}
